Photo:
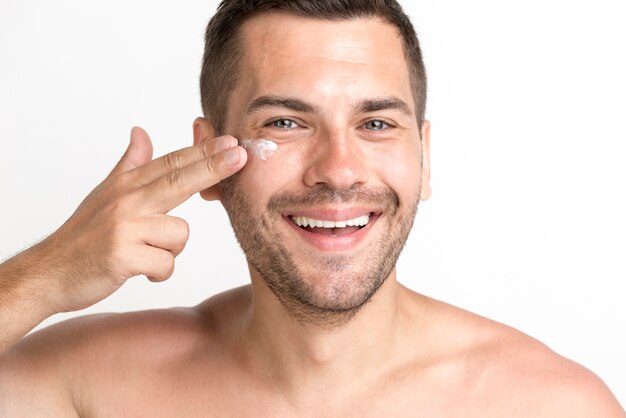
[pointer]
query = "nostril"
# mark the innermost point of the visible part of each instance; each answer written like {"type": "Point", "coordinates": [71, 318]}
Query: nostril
{"type": "Point", "coordinates": [339, 170]}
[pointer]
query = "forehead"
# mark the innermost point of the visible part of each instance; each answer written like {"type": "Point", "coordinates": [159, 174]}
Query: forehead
{"type": "Point", "coordinates": [334, 59]}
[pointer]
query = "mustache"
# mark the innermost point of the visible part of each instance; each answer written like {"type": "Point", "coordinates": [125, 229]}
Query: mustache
{"type": "Point", "coordinates": [322, 193]}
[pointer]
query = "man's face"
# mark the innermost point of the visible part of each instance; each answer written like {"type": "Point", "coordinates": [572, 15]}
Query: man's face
{"type": "Point", "coordinates": [336, 98]}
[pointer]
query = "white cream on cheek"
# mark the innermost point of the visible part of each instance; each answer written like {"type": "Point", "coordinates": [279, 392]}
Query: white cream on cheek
{"type": "Point", "coordinates": [260, 148]}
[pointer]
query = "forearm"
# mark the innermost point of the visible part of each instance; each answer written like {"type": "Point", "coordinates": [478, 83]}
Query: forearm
{"type": "Point", "coordinates": [23, 303]}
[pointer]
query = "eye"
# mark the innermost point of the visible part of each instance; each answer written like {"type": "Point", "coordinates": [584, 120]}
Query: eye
{"type": "Point", "coordinates": [284, 124]}
{"type": "Point", "coordinates": [376, 125]}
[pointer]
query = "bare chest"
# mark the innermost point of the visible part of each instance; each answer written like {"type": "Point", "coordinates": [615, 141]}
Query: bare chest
{"type": "Point", "coordinates": [206, 393]}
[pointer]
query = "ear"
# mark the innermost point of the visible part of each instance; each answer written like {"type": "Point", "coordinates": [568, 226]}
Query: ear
{"type": "Point", "coordinates": [426, 189]}
{"type": "Point", "coordinates": [204, 131]}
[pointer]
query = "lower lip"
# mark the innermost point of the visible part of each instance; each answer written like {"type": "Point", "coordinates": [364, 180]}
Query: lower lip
{"type": "Point", "coordinates": [330, 243]}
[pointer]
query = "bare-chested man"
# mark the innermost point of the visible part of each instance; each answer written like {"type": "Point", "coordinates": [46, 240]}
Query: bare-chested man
{"type": "Point", "coordinates": [324, 329]}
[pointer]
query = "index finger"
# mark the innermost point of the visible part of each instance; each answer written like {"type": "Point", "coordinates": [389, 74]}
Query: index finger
{"type": "Point", "coordinates": [176, 160]}
{"type": "Point", "coordinates": [176, 186]}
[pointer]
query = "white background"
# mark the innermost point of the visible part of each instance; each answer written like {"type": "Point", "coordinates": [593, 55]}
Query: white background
{"type": "Point", "coordinates": [527, 100]}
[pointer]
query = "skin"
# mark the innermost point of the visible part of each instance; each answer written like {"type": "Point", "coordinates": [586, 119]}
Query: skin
{"type": "Point", "coordinates": [241, 353]}
{"type": "Point", "coordinates": [329, 144]}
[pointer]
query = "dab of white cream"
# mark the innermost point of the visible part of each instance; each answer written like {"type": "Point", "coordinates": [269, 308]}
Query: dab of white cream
{"type": "Point", "coordinates": [260, 148]}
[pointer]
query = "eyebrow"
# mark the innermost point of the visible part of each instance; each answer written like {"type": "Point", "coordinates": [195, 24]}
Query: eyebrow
{"type": "Point", "coordinates": [290, 103]}
{"type": "Point", "coordinates": [385, 103]}
{"type": "Point", "coordinates": [297, 105]}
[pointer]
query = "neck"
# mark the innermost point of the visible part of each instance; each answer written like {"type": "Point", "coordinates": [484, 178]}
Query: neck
{"type": "Point", "coordinates": [299, 356]}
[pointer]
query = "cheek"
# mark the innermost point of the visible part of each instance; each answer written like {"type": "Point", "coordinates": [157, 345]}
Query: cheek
{"type": "Point", "coordinates": [399, 167]}
{"type": "Point", "coordinates": [263, 178]}
{"type": "Point", "coordinates": [394, 164]}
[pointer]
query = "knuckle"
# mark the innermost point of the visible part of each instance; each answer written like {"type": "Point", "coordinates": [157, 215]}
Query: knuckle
{"type": "Point", "coordinates": [183, 229]}
{"type": "Point", "coordinates": [155, 279]}
{"type": "Point", "coordinates": [176, 251]}
{"type": "Point", "coordinates": [211, 165]}
{"type": "Point", "coordinates": [171, 267]}
{"type": "Point", "coordinates": [163, 267]}
{"type": "Point", "coordinates": [179, 231]}
{"type": "Point", "coordinates": [117, 186]}
{"type": "Point", "coordinates": [167, 265]}
{"type": "Point", "coordinates": [204, 149]}
{"type": "Point", "coordinates": [121, 184]}
{"type": "Point", "coordinates": [174, 179]}
{"type": "Point", "coordinates": [172, 161]}
{"type": "Point", "coordinates": [230, 138]}
{"type": "Point", "coordinates": [118, 196]}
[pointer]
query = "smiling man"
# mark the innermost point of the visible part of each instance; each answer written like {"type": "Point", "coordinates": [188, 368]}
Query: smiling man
{"type": "Point", "coordinates": [340, 121]}
{"type": "Point", "coordinates": [324, 328]}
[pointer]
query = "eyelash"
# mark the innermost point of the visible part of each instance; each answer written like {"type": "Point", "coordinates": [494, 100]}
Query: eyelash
{"type": "Point", "coordinates": [273, 124]}
{"type": "Point", "coordinates": [385, 123]}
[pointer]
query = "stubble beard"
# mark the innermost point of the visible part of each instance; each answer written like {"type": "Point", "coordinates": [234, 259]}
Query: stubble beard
{"type": "Point", "coordinates": [337, 286]}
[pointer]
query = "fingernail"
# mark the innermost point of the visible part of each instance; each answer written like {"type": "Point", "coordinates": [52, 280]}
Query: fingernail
{"type": "Point", "coordinates": [232, 156]}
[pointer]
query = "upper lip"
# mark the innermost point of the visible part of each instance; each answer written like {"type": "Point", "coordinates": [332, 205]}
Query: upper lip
{"type": "Point", "coordinates": [334, 214]}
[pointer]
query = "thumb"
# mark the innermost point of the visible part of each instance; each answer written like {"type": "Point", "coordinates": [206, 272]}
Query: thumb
{"type": "Point", "coordinates": [138, 153]}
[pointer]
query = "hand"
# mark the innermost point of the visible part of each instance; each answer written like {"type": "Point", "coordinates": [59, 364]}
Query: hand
{"type": "Point", "coordinates": [122, 228]}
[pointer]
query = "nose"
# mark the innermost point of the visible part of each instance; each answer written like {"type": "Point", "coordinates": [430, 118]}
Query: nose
{"type": "Point", "coordinates": [338, 161]}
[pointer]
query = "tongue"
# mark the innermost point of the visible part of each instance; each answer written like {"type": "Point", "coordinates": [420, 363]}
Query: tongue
{"type": "Point", "coordinates": [333, 231]}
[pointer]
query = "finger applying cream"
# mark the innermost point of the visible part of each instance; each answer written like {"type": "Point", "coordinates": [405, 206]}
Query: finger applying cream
{"type": "Point", "coordinates": [260, 148]}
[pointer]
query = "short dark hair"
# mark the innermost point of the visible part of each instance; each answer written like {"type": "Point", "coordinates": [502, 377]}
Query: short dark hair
{"type": "Point", "coordinates": [222, 50]}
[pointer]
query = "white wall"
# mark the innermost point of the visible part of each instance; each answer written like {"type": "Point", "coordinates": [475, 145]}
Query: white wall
{"type": "Point", "coordinates": [527, 102]}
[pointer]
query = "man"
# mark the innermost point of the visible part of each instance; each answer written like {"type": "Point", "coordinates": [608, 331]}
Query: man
{"type": "Point", "coordinates": [324, 328]}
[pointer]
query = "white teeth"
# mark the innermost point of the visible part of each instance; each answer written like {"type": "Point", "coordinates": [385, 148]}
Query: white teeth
{"type": "Point", "coordinates": [313, 223]}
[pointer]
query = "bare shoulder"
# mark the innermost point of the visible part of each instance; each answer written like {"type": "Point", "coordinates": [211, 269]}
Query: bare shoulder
{"type": "Point", "coordinates": [526, 373]}
{"type": "Point", "coordinates": [514, 374]}
{"type": "Point", "coordinates": [92, 354]}
{"type": "Point", "coordinates": [149, 333]}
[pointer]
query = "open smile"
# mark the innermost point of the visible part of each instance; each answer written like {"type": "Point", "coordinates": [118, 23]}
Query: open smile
{"type": "Point", "coordinates": [333, 230]}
